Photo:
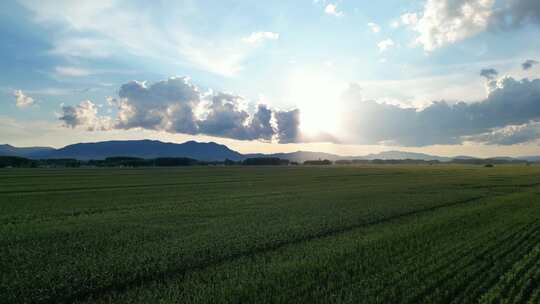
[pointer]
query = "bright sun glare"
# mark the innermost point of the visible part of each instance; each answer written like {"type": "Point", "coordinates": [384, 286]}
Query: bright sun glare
{"type": "Point", "coordinates": [317, 95]}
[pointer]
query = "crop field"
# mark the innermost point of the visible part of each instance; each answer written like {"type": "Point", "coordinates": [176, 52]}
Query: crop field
{"type": "Point", "coordinates": [351, 234]}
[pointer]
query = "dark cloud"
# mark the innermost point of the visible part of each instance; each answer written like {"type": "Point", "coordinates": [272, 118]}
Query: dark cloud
{"type": "Point", "coordinates": [489, 74]}
{"type": "Point", "coordinates": [165, 105]}
{"type": "Point", "coordinates": [225, 119]}
{"type": "Point", "coordinates": [171, 105]}
{"type": "Point", "coordinates": [511, 102]}
{"type": "Point", "coordinates": [260, 125]}
{"type": "Point", "coordinates": [69, 117]}
{"type": "Point", "coordinates": [510, 114]}
{"type": "Point", "coordinates": [288, 126]}
{"type": "Point", "coordinates": [528, 64]}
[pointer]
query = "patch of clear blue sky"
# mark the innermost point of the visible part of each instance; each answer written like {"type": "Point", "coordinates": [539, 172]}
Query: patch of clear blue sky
{"type": "Point", "coordinates": [308, 37]}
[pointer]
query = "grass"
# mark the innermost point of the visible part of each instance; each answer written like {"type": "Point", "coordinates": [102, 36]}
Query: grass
{"type": "Point", "coordinates": [371, 234]}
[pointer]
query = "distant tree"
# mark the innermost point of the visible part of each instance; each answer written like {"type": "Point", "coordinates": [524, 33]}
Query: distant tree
{"type": "Point", "coordinates": [60, 162]}
{"type": "Point", "coordinates": [229, 162]}
{"type": "Point", "coordinates": [265, 161]}
{"type": "Point", "coordinates": [16, 162]}
{"type": "Point", "coordinates": [124, 161]}
{"type": "Point", "coordinates": [325, 162]}
{"type": "Point", "coordinates": [360, 161]}
{"type": "Point", "coordinates": [175, 162]}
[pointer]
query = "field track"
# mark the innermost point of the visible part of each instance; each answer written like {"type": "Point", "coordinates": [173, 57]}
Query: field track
{"type": "Point", "coordinates": [366, 234]}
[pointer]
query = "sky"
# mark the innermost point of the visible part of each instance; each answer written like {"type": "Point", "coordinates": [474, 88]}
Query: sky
{"type": "Point", "coordinates": [445, 77]}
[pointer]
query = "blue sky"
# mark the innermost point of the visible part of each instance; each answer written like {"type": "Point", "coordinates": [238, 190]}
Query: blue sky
{"type": "Point", "coordinates": [349, 77]}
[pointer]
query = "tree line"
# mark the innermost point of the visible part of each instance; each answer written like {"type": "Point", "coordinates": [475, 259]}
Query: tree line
{"type": "Point", "coordinates": [135, 162]}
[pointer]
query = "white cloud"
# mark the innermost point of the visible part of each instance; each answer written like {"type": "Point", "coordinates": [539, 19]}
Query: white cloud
{"type": "Point", "coordinates": [409, 19]}
{"type": "Point", "coordinates": [375, 28]}
{"type": "Point", "coordinates": [258, 37]}
{"type": "Point", "coordinates": [332, 9]}
{"type": "Point", "coordinates": [83, 48]}
{"type": "Point", "coordinates": [421, 91]}
{"type": "Point", "coordinates": [444, 22]}
{"type": "Point", "coordinates": [85, 114]}
{"type": "Point", "coordinates": [22, 100]}
{"type": "Point", "coordinates": [448, 21]}
{"type": "Point", "coordinates": [98, 29]}
{"type": "Point", "coordinates": [385, 45]}
{"type": "Point", "coordinates": [395, 24]}
{"type": "Point", "coordinates": [72, 71]}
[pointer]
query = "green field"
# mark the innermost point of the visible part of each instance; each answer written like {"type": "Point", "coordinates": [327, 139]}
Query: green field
{"type": "Point", "coordinates": [372, 234]}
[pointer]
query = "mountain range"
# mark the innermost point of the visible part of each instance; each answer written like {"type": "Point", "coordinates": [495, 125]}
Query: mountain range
{"type": "Point", "coordinates": [197, 150]}
{"type": "Point", "coordinates": [132, 148]}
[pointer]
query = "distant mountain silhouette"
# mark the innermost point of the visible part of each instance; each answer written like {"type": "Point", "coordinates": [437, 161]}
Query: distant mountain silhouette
{"type": "Point", "coordinates": [8, 150]}
{"type": "Point", "coordinates": [197, 150]}
{"type": "Point", "coordinates": [300, 156]}
{"type": "Point", "coordinates": [305, 155]}
{"type": "Point", "coordinates": [464, 157]}
{"type": "Point", "coordinates": [405, 155]}
{"type": "Point", "coordinates": [530, 158]}
{"type": "Point", "coordinates": [135, 148]}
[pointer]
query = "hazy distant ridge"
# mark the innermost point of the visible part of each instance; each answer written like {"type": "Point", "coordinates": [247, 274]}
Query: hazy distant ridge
{"type": "Point", "coordinates": [202, 151]}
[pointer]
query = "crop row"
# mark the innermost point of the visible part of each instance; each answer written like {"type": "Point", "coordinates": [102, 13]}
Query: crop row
{"type": "Point", "coordinates": [453, 255]}
{"type": "Point", "coordinates": [314, 234]}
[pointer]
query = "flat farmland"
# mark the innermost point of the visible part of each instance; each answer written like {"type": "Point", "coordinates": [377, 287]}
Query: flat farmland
{"type": "Point", "coordinates": [351, 234]}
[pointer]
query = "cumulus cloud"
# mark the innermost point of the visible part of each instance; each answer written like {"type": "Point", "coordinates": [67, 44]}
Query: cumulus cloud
{"type": "Point", "coordinates": [448, 21]}
{"type": "Point", "coordinates": [165, 105]}
{"type": "Point", "coordinates": [374, 27]}
{"type": "Point", "coordinates": [444, 22]}
{"type": "Point", "coordinates": [489, 74]}
{"type": "Point", "coordinates": [84, 114]}
{"type": "Point", "coordinates": [529, 64]}
{"type": "Point", "coordinates": [288, 122]}
{"type": "Point", "coordinates": [176, 105]}
{"type": "Point", "coordinates": [22, 100]}
{"type": "Point", "coordinates": [510, 103]}
{"type": "Point", "coordinates": [226, 119]}
{"type": "Point", "coordinates": [385, 45]}
{"type": "Point", "coordinates": [258, 37]}
{"type": "Point", "coordinates": [509, 114]}
{"type": "Point", "coordinates": [332, 9]}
